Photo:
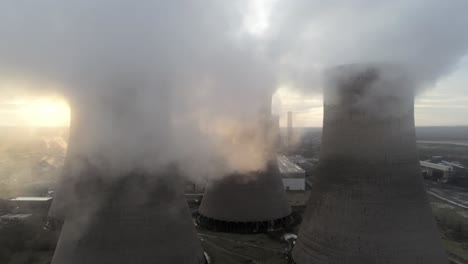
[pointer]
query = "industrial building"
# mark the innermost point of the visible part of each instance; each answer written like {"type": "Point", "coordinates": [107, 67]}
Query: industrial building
{"type": "Point", "coordinates": [14, 217]}
{"type": "Point", "coordinates": [27, 205]}
{"type": "Point", "coordinates": [293, 176]}
{"type": "Point", "coordinates": [436, 171]}
{"type": "Point", "coordinates": [440, 170]}
{"type": "Point", "coordinates": [367, 202]}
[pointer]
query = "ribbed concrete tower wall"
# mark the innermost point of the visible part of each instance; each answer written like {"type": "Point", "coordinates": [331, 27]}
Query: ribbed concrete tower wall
{"type": "Point", "coordinates": [252, 201]}
{"type": "Point", "coordinates": [247, 198]}
{"type": "Point", "coordinates": [120, 218]}
{"type": "Point", "coordinates": [368, 203]}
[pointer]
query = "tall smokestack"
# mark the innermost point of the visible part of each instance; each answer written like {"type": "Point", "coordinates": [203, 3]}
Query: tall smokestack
{"type": "Point", "coordinates": [253, 201]}
{"type": "Point", "coordinates": [368, 203]}
{"type": "Point", "coordinates": [120, 217]}
{"type": "Point", "coordinates": [290, 133]}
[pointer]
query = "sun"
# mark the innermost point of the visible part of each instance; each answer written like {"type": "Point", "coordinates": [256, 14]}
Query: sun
{"type": "Point", "coordinates": [28, 103]}
{"type": "Point", "coordinates": [41, 112]}
{"type": "Point", "coordinates": [50, 112]}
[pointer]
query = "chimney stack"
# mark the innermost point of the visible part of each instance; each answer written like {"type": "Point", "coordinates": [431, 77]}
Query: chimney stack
{"type": "Point", "coordinates": [290, 130]}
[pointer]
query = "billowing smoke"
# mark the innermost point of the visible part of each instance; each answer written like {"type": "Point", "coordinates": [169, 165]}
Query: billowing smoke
{"type": "Point", "coordinates": [427, 37]}
{"type": "Point", "coordinates": [157, 82]}
{"type": "Point", "coordinates": [149, 82]}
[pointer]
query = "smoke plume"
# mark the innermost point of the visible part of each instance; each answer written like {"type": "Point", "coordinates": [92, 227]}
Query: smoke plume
{"type": "Point", "coordinates": [428, 38]}
{"type": "Point", "coordinates": [156, 82]}
{"type": "Point", "coordinates": [149, 82]}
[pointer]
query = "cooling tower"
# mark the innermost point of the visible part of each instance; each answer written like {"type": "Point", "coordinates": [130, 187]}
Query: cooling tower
{"type": "Point", "coordinates": [134, 219]}
{"type": "Point", "coordinates": [248, 202]}
{"type": "Point", "coordinates": [74, 166]}
{"type": "Point", "coordinates": [122, 217]}
{"type": "Point", "coordinates": [368, 203]}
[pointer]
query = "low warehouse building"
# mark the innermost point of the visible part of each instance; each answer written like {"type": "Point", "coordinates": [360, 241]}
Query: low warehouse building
{"type": "Point", "coordinates": [293, 176]}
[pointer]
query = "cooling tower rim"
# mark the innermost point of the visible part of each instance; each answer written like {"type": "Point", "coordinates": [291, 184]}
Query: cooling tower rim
{"type": "Point", "coordinates": [373, 89]}
{"type": "Point", "coordinates": [247, 220]}
{"type": "Point", "coordinates": [346, 72]}
{"type": "Point", "coordinates": [366, 65]}
{"type": "Point", "coordinates": [258, 226]}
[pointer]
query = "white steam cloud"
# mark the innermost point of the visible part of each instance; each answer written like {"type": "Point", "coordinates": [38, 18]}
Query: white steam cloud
{"type": "Point", "coordinates": [427, 37]}
{"type": "Point", "coordinates": [148, 81]}
{"type": "Point", "coordinates": [156, 82]}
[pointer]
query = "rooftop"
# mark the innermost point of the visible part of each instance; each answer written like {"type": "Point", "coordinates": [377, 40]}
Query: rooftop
{"type": "Point", "coordinates": [31, 199]}
{"type": "Point", "coordinates": [286, 166]}
{"type": "Point", "coordinates": [436, 166]}
{"type": "Point", "coordinates": [14, 216]}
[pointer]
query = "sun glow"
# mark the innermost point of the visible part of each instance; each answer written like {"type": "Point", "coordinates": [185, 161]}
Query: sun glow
{"type": "Point", "coordinates": [307, 109]}
{"type": "Point", "coordinates": [29, 103]}
{"type": "Point", "coordinates": [36, 112]}
{"type": "Point", "coordinates": [48, 112]}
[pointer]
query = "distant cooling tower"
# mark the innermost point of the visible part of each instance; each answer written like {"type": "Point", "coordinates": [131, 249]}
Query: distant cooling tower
{"type": "Point", "coordinates": [250, 202]}
{"type": "Point", "coordinates": [246, 203]}
{"type": "Point", "coordinates": [367, 203]}
{"type": "Point", "coordinates": [135, 217]}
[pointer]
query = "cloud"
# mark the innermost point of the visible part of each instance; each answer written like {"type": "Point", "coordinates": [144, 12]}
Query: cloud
{"type": "Point", "coordinates": [427, 37]}
{"type": "Point", "coordinates": [145, 81]}
{"type": "Point", "coordinates": [148, 81]}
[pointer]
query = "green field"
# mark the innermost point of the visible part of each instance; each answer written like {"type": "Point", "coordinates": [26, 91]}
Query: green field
{"type": "Point", "coordinates": [453, 224]}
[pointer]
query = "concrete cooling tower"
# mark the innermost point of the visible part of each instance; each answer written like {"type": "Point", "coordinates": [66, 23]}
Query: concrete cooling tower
{"type": "Point", "coordinates": [74, 166]}
{"type": "Point", "coordinates": [135, 219]}
{"type": "Point", "coordinates": [368, 203]}
{"type": "Point", "coordinates": [130, 217]}
{"type": "Point", "coordinates": [248, 202]}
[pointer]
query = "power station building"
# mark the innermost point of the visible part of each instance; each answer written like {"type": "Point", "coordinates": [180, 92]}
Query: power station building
{"type": "Point", "coordinates": [293, 176]}
{"type": "Point", "coordinates": [367, 203]}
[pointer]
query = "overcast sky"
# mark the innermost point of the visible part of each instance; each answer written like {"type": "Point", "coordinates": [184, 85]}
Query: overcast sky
{"type": "Point", "coordinates": [300, 38]}
{"type": "Point", "coordinates": [442, 104]}
{"type": "Point", "coordinates": [446, 104]}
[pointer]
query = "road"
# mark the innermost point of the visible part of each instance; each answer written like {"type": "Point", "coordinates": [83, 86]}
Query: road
{"type": "Point", "coordinates": [234, 249]}
{"type": "Point", "coordinates": [456, 196]}
{"type": "Point", "coordinates": [444, 142]}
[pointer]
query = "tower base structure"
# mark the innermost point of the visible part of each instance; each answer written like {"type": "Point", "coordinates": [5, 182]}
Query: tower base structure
{"type": "Point", "coordinates": [246, 227]}
{"type": "Point", "coordinates": [136, 218]}
{"type": "Point", "coordinates": [246, 203]}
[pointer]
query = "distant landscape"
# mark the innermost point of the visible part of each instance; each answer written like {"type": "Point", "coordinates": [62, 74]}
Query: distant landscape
{"type": "Point", "coordinates": [31, 161]}
{"type": "Point", "coordinates": [31, 158]}
{"type": "Point", "coordinates": [435, 133]}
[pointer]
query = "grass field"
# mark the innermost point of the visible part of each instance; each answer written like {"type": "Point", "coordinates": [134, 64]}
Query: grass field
{"type": "Point", "coordinates": [453, 224]}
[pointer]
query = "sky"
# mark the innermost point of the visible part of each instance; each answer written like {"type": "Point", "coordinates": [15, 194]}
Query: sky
{"type": "Point", "coordinates": [442, 102]}
{"type": "Point", "coordinates": [19, 107]}
{"type": "Point", "coordinates": [445, 104]}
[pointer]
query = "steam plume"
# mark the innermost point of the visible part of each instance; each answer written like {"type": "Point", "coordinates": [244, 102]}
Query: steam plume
{"type": "Point", "coordinates": [152, 78]}
{"type": "Point", "coordinates": [427, 37]}
{"type": "Point", "coordinates": [171, 77]}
